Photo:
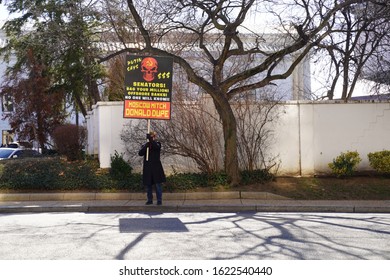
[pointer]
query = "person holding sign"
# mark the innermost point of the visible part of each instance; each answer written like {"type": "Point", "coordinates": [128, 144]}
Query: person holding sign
{"type": "Point", "coordinates": [153, 172]}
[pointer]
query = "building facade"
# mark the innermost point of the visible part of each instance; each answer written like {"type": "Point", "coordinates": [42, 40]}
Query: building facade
{"type": "Point", "coordinates": [6, 102]}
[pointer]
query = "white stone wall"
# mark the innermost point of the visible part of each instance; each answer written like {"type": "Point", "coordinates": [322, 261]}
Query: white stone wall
{"type": "Point", "coordinates": [104, 125]}
{"type": "Point", "coordinates": [311, 134]}
{"type": "Point", "coordinates": [307, 136]}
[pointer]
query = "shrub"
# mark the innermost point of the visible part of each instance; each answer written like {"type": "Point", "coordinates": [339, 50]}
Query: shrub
{"type": "Point", "coordinates": [69, 140]}
{"type": "Point", "coordinates": [121, 176]}
{"type": "Point", "coordinates": [56, 174]}
{"type": "Point", "coordinates": [132, 183]}
{"type": "Point", "coordinates": [380, 161]}
{"type": "Point", "coordinates": [345, 164]}
{"type": "Point", "coordinates": [186, 181]}
{"type": "Point", "coordinates": [120, 169]}
{"type": "Point", "coordinates": [218, 179]}
{"type": "Point", "coordinates": [48, 174]}
{"type": "Point", "coordinates": [31, 174]}
{"type": "Point", "coordinates": [78, 175]}
{"type": "Point", "coordinates": [256, 176]}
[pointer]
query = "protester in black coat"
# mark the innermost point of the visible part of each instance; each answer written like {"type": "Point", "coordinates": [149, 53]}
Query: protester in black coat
{"type": "Point", "coordinates": [153, 172]}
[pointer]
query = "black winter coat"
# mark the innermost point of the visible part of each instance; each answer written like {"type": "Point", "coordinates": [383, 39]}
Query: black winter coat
{"type": "Point", "coordinates": [153, 172]}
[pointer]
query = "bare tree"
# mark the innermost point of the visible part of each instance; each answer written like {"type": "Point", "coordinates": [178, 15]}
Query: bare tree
{"type": "Point", "coordinates": [256, 118]}
{"type": "Point", "coordinates": [356, 36]}
{"type": "Point", "coordinates": [133, 137]}
{"type": "Point", "coordinates": [209, 30]}
{"type": "Point", "coordinates": [194, 132]}
{"type": "Point", "coordinates": [377, 69]}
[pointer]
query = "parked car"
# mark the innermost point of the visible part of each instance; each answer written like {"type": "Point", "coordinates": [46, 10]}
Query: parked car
{"type": "Point", "coordinates": [20, 144]}
{"type": "Point", "coordinates": [8, 153]}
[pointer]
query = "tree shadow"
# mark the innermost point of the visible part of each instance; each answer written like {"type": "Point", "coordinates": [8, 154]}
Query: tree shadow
{"type": "Point", "coordinates": [280, 235]}
{"type": "Point", "coordinates": [288, 237]}
{"type": "Point", "coordinates": [228, 236]}
{"type": "Point", "coordinates": [127, 248]}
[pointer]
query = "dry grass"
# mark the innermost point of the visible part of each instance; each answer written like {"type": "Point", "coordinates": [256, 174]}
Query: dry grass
{"type": "Point", "coordinates": [355, 188]}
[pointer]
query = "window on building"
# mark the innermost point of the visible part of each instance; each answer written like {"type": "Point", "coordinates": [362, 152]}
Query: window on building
{"type": "Point", "coordinates": [7, 137]}
{"type": "Point", "coordinates": [7, 104]}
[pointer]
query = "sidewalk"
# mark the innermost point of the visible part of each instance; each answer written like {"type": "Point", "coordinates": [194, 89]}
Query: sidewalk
{"type": "Point", "coordinates": [181, 202]}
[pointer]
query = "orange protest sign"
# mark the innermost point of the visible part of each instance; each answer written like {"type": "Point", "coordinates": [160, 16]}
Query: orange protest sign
{"type": "Point", "coordinates": [147, 110]}
{"type": "Point", "coordinates": [148, 87]}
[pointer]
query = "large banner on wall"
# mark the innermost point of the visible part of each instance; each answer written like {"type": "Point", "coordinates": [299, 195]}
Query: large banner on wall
{"type": "Point", "coordinates": [148, 87]}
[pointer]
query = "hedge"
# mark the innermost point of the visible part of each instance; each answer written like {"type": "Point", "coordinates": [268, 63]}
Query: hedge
{"type": "Point", "coordinates": [57, 174]}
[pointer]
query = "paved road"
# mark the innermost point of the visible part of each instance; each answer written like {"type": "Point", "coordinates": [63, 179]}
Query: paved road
{"type": "Point", "coordinates": [175, 236]}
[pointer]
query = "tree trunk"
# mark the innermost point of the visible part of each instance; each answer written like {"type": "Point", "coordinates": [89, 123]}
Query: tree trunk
{"type": "Point", "coordinates": [80, 104]}
{"type": "Point", "coordinates": [229, 126]}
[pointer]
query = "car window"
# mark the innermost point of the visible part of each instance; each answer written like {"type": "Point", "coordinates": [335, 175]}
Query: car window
{"type": "Point", "coordinates": [5, 153]}
{"type": "Point", "coordinates": [13, 146]}
{"type": "Point", "coordinates": [18, 153]}
{"type": "Point", "coordinates": [26, 153]}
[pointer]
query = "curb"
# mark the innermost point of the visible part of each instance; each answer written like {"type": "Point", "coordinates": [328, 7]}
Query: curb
{"type": "Point", "coordinates": [87, 196]}
{"type": "Point", "coordinates": [191, 209]}
{"type": "Point", "coordinates": [231, 206]}
{"type": "Point", "coordinates": [232, 202]}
